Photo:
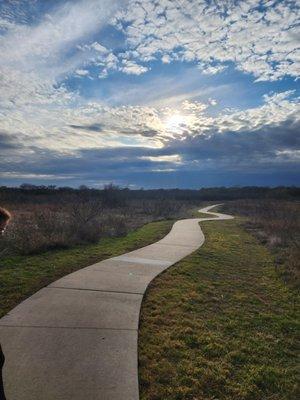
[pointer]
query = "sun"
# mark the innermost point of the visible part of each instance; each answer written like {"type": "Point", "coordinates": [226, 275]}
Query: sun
{"type": "Point", "coordinates": [175, 121]}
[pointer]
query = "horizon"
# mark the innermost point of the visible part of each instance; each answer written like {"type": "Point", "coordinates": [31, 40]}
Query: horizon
{"type": "Point", "coordinates": [29, 186]}
{"type": "Point", "coordinates": [160, 95]}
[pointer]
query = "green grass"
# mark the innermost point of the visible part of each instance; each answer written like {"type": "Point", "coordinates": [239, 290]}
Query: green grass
{"type": "Point", "coordinates": [220, 325]}
{"type": "Point", "coordinates": [21, 276]}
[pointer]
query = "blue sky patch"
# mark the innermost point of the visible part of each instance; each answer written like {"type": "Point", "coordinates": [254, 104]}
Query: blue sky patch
{"type": "Point", "coordinates": [145, 93]}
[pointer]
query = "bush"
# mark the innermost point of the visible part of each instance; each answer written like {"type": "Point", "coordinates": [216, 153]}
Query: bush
{"type": "Point", "coordinates": [23, 235]}
{"type": "Point", "coordinates": [115, 225]}
{"type": "Point", "coordinates": [78, 218]}
{"type": "Point", "coordinates": [43, 228]}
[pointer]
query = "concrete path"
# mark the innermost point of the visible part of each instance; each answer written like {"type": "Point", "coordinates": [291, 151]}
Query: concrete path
{"type": "Point", "coordinates": [76, 339]}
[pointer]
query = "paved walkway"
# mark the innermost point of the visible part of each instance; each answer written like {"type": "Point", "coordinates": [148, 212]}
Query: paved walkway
{"type": "Point", "coordinates": [76, 339]}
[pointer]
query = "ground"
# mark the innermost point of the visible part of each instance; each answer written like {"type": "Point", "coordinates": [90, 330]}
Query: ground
{"type": "Point", "coordinates": [220, 324]}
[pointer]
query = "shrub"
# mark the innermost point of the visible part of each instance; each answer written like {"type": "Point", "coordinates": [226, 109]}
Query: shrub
{"type": "Point", "coordinates": [81, 217]}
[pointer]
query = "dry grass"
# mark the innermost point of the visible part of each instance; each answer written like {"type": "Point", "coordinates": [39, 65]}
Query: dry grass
{"type": "Point", "coordinates": [277, 225]}
{"type": "Point", "coordinates": [35, 228]}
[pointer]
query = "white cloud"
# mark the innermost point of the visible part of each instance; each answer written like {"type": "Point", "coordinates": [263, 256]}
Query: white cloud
{"type": "Point", "coordinates": [260, 39]}
{"type": "Point", "coordinates": [98, 47]}
{"type": "Point", "coordinates": [211, 69]}
{"type": "Point", "coordinates": [174, 158]}
{"type": "Point", "coordinates": [45, 116]}
{"type": "Point", "coordinates": [35, 58]}
{"type": "Point", "coordinates": [188, 137]}
{"type": "Point", "coordinates": [289, 155]}
{"type": "Point", "coordinates": [44, 45]}
{"type": "Point", "coordinates": [92, 125]}
{"type": "Point", "coordinates": [212, 102]}
{"type": "Point", "coordinates": [82, 72]}
{"type": "Point", "coordinates": [132, 68]}
{"type": "Point", "coordinates": [18, 175]}
{"type": "Point", "coordinates": [166, 59]}
{"type": "Point", "coordinates": [276, 109]}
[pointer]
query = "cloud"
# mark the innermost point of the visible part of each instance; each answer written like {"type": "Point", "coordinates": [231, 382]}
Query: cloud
{"type": "Point", "coordinates": [92, 124]}
{"type": "Point", "coordinates": [208, 69]}
{"type": "Point", "coordinates": [264, 148]}
{"type": "Point", "coordinates": [132, 68]}
{"type": "Point", "coordinates": [264, 138]}
{"type": "Point", "coordinates": [259, 39]}
{"type": "Point", "coordinates": [276, 109]}
{"type": "Point", "coordinates": [7, 141]}
{"type": "Point", "coordinates": [44, 44]}
{"type": "Point", "coordinates": [165, 89]}
{"type": "Point", "coordinates": [273, 151]}
{"type": "Point", "coordinates": [173, 158]}
{"type": "Point", "coordinates": [92, 127]}
{"type": "Point", "coordinates": [33, 71]}
{"type": "Point", "coordinates": [82, 72]}
{"type": "Point", "coordinates": [169, 123]}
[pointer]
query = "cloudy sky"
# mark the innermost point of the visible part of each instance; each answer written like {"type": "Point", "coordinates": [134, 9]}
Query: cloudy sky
{"type": "Point", "coordinates": [149, 93]}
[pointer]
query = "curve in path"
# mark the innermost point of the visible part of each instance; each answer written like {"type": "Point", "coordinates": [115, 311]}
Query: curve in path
{"type": "Point", "coordinates": [77, 338]}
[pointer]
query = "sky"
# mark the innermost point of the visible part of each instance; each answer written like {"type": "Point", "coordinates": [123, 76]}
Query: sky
{"type": "Point", "coordinates": [149, 93]}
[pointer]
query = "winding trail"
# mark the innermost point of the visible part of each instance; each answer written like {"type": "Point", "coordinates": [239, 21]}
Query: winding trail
{"type": "Point", "coordinates": [76, 339]}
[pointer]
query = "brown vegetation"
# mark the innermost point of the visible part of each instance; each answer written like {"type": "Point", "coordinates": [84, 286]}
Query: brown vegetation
{"type": "Point", "coordinates": [47, 217]}
{"type": "Point", "coordinates": [66, 220]}
{"type": "Point", "coordinates": [275, 223]}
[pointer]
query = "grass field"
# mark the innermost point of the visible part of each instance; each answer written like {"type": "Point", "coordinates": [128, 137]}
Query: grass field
{"type": "Point", "coordinates": [21, 276]}
{"type": "Point", "coordinates": [220, 324]}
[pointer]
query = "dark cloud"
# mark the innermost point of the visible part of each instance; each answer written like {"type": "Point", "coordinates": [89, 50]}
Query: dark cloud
{"type": "Point", "coordinates": [140, 131]}
{"type": "Point", "coordinates": [231, 158]}
{"type": "Point", "coordinates": [235, 150]}
{"type": "Point", "coordinates": [91, 127]}
{"type": "Point", "coordinates": [128, 131]}
{"type": "Point", "coordinates": [8, 141]}
{"type": "Point", "coordinates": [149, 133]}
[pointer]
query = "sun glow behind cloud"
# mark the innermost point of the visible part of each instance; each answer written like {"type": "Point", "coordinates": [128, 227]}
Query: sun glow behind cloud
{"type": "Point", "coordinates": [83, 79]}
{"type": "Point", "coordinates": [175, 122]}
